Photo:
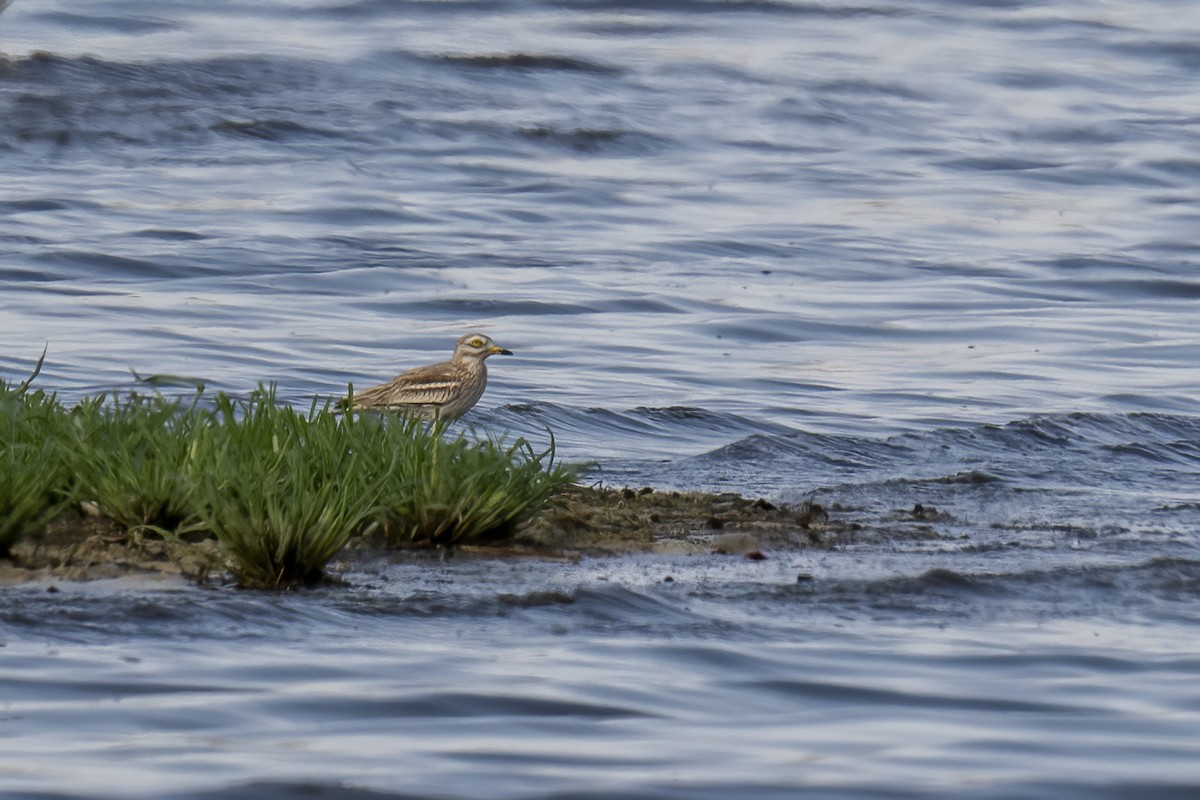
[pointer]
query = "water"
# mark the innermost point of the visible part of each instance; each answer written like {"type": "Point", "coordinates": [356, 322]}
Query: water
{"type": "Point", "coordinates": [871, 253]}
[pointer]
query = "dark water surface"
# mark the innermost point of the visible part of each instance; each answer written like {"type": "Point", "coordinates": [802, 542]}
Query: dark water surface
{"type": "Point", "coordinates": [874, 253]}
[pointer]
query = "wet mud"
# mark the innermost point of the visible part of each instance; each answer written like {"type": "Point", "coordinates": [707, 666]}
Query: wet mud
{"type": "Point", "coordinates": [581, 522]}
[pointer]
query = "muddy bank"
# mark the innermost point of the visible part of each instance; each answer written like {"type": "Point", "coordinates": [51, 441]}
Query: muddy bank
{"type": "Point", "coordinates": [79, 547]}
{"type": "Point", "coordinates": [581, 522]}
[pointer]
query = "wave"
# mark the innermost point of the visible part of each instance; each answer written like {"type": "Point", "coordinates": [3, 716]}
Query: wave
{"type": "Point", "coordinates": [1109, 448]}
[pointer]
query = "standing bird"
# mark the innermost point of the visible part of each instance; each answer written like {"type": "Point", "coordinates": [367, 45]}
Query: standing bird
{"type": "Point", "coordinates": [443, 391]}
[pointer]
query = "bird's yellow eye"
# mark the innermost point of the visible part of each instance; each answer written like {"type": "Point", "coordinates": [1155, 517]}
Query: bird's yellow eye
{"type": "Point", "coordinates": [476, 343]}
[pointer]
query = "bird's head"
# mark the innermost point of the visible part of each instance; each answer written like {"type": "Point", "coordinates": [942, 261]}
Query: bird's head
{"type": "Point", "coordinates": [478, 345]}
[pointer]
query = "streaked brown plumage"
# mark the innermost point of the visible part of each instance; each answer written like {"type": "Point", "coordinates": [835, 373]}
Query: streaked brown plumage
{"type": "Point", "coordinates": [440, 391]}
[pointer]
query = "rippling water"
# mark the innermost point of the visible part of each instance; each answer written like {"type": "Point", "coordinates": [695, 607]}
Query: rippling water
{"type": "Point", "coordinates": [873, 253]}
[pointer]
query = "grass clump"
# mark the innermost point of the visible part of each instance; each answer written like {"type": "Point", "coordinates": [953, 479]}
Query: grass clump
{"type": "Point", "coordinates": [282, 491]}
{"type": "Point", "coordinates": [33, 475]}
{"type": "Point", "coordinates": [135, 457]}
{"type": "Point", "coordinates": [458, 490]}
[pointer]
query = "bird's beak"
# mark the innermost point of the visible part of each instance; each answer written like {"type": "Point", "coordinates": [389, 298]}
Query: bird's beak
{"type": "Point", "coordinates": [495, 350]}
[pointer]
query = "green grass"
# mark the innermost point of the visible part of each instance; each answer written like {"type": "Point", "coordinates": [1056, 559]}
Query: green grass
{"type": "Point", "coordinates": [135, 457]}
{"type": "Point", "coordinates": [459, 490]}
{"type": "Point", "coordinates": [33, 474]}
{"type": "Point", "coordinates": [282, 491]}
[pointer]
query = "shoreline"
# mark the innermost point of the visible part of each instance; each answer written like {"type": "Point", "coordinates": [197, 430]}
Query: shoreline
{"type": "Point", "coordinates": [580, 522]}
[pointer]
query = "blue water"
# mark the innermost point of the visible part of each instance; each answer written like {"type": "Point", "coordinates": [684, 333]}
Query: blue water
{"type": "Point", "coordinates": [869, 253]}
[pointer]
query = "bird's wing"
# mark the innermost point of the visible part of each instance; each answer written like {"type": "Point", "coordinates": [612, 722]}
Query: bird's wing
{"type": "Point", "coordinates": [423, 386]}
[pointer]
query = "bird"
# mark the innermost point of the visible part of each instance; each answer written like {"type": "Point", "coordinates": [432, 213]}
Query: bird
{"type": "Point", "coordinates": [442, 391]}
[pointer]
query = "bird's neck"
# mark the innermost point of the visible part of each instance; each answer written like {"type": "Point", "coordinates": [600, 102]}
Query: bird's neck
{"type": "Point", "coordinates": [472, 363]}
